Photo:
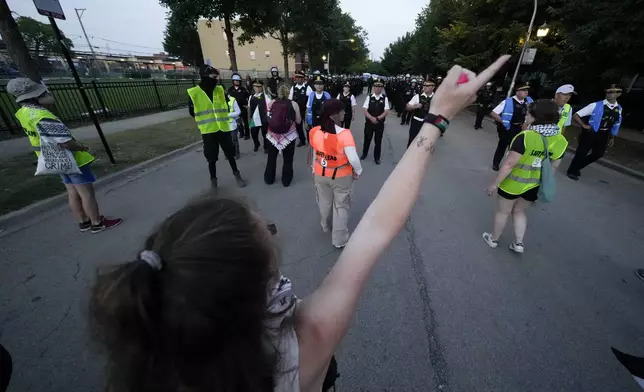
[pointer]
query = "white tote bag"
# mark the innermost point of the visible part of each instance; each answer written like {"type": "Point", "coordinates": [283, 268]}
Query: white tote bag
{"type": "Point", "coordinates": [54, 159]}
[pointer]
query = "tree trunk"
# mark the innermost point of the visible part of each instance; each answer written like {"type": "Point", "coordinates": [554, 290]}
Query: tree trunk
{"type": "Point", "coordinates": [16, 45]}
{"type": "Point", "coordinates": [285, 53]}
{"type": "Point", "coordinates": [231, 43]}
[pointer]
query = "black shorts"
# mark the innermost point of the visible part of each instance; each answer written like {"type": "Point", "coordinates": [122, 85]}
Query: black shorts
{"type": "Point", "coordinates": [530, 195]}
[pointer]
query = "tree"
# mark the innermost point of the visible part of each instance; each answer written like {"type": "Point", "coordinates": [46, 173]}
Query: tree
{"type": "Point", "coordinates": [289, 22]}
{"type": "Point", "coordinates": [40, 38]}
{"type": "Point", "coordinates": [16, 45]}
{"type": "Point", "coordinates": [189, 11]}
{"type": "Point", "coordinates": [182, 40]}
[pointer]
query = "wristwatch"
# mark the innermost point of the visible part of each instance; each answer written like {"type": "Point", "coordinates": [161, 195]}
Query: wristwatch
{"type": "Point", "coordinates": [438, 121]}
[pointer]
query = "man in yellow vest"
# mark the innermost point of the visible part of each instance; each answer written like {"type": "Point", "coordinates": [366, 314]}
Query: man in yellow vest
{"type": "Point", "coordinates": [210, 108]}
{"type": "Point", "coordinates": [37, 121]}
{"type": "Point", "coordinates": [562, 96]}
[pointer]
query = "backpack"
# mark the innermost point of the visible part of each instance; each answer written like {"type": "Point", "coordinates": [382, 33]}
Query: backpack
{"type": "Point", "coordinates": [282, 116]}
{"type": "Point", "coordinates": [547, 186]}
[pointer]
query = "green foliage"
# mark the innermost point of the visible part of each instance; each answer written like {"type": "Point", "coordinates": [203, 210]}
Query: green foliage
{"type": "Point", "coordinates": [182, 40]}
{"type": "Point", "coordinates": [591, 42]}
{"type": "Point", "coordinates": [39, 37]}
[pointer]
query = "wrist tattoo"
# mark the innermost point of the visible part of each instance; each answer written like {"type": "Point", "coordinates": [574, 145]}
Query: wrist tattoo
{"type": "Point", "coordinates": [422, 142]}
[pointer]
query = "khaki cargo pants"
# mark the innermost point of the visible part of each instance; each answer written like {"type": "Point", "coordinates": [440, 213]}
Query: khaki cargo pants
{"type": "Point", "coordinates": [334, 201]}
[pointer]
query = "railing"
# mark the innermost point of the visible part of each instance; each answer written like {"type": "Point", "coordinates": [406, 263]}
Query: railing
{"type": "Point", "coordinates": [109, 100]}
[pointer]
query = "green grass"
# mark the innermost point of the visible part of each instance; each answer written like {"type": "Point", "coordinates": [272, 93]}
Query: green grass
{"type": "Point", "coordinates": [19, 187]}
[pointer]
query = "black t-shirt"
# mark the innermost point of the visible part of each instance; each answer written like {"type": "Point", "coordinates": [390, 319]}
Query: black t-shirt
{"type": "Point", "coordinates": [518, 145]}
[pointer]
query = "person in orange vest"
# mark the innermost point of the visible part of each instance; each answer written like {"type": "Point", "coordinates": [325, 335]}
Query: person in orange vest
{"type": "Point", "coordinates": [336, 165]}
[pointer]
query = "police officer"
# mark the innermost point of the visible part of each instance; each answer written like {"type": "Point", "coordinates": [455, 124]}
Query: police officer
{"type": "Point", "coordinates": [484, 99]}
{"type": "Point", "coordinates": [409, 93]}
{"type": "Point", "coordinates": [349, 101]}
{"type": "Point", "coordinates": [210, 108]}
{"type": "Point", "coordinates": [300, 93]}
{"type": "Point", "coordinates": [603, 119]}
{"type": "Point", "coordinates": [273, 81]}
{"type": "Point", "coordinates": [418, 107]}
{"type": "Point", "coordinates": [241, 96]}
{"type": "Point", "coordinates": [510, 116]}
{"type": "Point", "coordinates": [376, 109]}
{"type": "Point", "coordinates": [314, 104]}
{"type": "Point", "coordinates": [259, 101]}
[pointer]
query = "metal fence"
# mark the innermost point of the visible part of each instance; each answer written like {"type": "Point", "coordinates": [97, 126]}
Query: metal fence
{"type": "Point", "coordinates": [109, 99]}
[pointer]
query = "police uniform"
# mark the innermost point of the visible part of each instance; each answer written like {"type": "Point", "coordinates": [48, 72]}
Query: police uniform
{"type": "Point", "coordinates": [375, 105]}
{"type": "Point", "coordinates": [349, 102]}
{"type": "Point", "coordinates": [512, 112]}
{"type": "Point", "coordinates": [300, 95]}
{"type": "Point", "coordinates": [241, 95]}
{"type": "Point", "coordinates": [273, 82]}
{"type": "Point", "coordinates": [483, 100]}
{"type": "Point", "coordinates": [604, 119]}
{"type": "Point", "coordinates": [259, 102]}
{"type": "Point", "coordinates": [418, 115]}
{"type": "Point", "coordinates": [408, 93]}
{"type": "Point", "coordinates": [314, 104]}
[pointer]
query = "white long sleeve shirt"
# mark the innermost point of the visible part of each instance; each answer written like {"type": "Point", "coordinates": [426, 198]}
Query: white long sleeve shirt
{"type": "Point", "coordinates": [234, 115]}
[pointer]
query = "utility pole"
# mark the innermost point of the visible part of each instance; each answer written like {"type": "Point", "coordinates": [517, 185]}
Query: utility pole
{"type": "Point", "coordinates": [16, 46]}
{"type": "Point", "coordinates": [91, 48]}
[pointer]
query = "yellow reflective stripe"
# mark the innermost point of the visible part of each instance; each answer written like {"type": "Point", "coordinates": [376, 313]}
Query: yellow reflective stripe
{"type": "Point", "coordinates": [215, 119]}
{"type": "Point", "coordinates": [201, 113]}
{"type": "Point", "coordinates": [523, 180]}
{"type": "Point", "coordinates": [526, 167]}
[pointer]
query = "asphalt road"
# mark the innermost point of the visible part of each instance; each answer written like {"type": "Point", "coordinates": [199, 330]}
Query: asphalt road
{"type": "Point", "coordinates": [442, 312]}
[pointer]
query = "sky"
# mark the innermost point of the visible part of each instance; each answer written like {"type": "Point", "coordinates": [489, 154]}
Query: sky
{"type": "Point", "coordinates": [136, 26]}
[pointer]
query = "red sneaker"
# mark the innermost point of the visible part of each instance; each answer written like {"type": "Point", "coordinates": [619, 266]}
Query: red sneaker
{"type": "Point", "coordinates": [106, 224]}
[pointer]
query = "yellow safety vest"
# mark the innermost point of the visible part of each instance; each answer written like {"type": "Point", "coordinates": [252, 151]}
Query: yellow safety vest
{"type": "Point", "coordinates": [565, 114]}
{"type": "Point", "coordinates": [211, 115]}
{"type": "Point", "coordinates": [526, 174]}
{"type": "Point", "coordinates": [29, 118]}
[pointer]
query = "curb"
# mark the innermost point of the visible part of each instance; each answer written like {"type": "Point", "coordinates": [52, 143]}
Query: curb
{"type": "Point", "coordinates": [602, 161]}
{"type": "Point", "coordinates": [39, 208]}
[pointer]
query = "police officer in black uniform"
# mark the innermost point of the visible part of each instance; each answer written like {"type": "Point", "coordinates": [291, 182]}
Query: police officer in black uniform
{"type": "Point", "coordinates": [408, 94]}
{"type": "Point", "coordinates": [484, 101]}
{"type": "Point", "coordinates": [518, 106]}
{"type": "Point", "coordinates": [376, 109]}
{"type": "Point", "coordinates": [273, 82]}
{"type": "Point", "coordinates": [316, 100]}
{"type": "Point", "coordinates": [300, 94]}
{"type": "Point", "coordinates": [418, 107]}
{"type": "Point", "coordinates": [349, 102]}
{"type": "Point", "coordinates": [241, 95]}
{"type": "Point", "coordinates": [259, 100]}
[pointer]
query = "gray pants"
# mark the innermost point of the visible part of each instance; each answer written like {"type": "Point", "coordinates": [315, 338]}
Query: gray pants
{"type": "Point", "coordinates": [334, 201]}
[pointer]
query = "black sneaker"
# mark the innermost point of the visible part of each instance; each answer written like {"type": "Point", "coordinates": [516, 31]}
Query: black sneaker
{"type": "Point", "coordinates": [377, 161]}
{"type": "Point", "coordinates": [495, 167]}
{"type": "Point", "coordinates": [362, 158]}
{"type": "Point", "coordinates": [106, 224]}
{"type": "Point", "coordinates": [301, 144]}
{"type": "Point", "coordinates": [573, 176]}
{"type": "Point", "coordinates": [85, 226]}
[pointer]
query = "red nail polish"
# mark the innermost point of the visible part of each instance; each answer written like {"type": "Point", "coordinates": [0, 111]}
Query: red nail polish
{"type": "Point", "coordinates": [463, 79]}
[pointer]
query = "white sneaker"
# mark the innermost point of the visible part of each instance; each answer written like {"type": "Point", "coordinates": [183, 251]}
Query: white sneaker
{"type": "Point", "coordinates": [516, 246]}
{"type": "Point", "coordinates": [487, 237]}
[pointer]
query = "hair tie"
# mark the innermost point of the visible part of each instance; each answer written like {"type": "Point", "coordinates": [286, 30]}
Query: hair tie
{"type": "Point", "coordinates": [152, 259]}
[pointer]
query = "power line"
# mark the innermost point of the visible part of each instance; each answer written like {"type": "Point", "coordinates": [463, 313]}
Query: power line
{"type": "Point", "coordinates": [127, 44]}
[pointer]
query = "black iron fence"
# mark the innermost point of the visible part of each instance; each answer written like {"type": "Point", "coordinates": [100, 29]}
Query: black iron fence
{"type": "Point", "coordinates": [109, 100]}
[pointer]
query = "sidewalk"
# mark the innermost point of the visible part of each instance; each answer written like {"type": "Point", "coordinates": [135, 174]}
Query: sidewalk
{"type": "Point", "coordinates": [18, 146]}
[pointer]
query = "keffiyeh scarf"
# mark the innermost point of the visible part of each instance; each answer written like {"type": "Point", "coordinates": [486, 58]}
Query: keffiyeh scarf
{"type": "Point", "coordinates": [545, 129]}
{"type": "Point", "coordinates": [280, 141]}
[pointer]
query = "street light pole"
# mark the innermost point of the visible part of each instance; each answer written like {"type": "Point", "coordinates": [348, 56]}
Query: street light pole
{"type": "Point", "coordinates": [91, 48]}
{"type": "Point", "coordinates": [525, 45]}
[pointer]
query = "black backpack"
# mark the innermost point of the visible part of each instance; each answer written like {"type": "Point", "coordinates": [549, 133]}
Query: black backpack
{"type": "Point", "coordinates": [282, 116]}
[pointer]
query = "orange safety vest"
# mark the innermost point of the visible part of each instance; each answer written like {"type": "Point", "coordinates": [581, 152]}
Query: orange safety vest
{"type": "Point", "coordinates": [330, 159]}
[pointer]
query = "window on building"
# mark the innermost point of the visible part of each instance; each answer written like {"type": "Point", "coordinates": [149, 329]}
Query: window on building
{"type": "Point", "coordinates": [251, 55]}
{"type": "Point", "coordinates": [267, 53]}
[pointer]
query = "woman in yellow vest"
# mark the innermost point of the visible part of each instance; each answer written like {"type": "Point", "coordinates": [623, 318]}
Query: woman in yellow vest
{"type": "Point", "coordinates": [336, 165]}
{"type": "Point", "coordinates": [37, 121]}
{"type": "Point", "coordinates": [517, 183]}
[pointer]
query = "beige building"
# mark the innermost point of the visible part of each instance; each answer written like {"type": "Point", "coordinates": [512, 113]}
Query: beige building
{"type": "Point", "coordinates": [255, 59]}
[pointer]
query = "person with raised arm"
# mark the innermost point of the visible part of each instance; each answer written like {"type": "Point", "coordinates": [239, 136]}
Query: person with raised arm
{"type": "Point", "coordinates": [203, 306]}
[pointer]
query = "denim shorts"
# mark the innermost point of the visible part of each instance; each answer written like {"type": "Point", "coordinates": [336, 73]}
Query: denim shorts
{"type": "Point", "coordinates": [86, 176]}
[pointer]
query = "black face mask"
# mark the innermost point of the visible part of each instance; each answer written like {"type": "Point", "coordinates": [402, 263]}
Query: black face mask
{"type": "Point", "coordinates": [208, 81]}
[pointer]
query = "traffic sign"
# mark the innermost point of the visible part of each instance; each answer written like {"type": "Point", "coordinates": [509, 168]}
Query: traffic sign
{"type": "Point", "coordinates": [528, 56]}
{"type": "Point", "coordinates": [50, 8]}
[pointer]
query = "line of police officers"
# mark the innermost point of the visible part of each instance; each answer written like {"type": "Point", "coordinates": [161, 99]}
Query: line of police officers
{"type": "Point", "coordinates": [600, 127]}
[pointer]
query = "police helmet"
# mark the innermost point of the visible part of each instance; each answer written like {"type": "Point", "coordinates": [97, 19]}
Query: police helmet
{"type": "Point", "coordinates": [236, 76]}
{"type": "Point", "coordinates": [274, 69]}
{"type": "Point", "coordinates": [414, 81]}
